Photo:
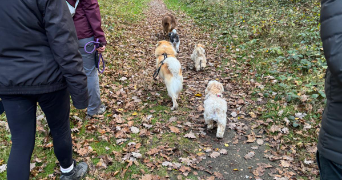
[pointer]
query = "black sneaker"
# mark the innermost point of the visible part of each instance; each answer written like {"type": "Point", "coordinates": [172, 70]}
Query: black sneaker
{"type": "Point", "coordinates": [79, 172]}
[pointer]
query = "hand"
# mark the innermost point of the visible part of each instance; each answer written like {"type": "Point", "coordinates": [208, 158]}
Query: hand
{"type": "Point", "coordinates": [101, 49]}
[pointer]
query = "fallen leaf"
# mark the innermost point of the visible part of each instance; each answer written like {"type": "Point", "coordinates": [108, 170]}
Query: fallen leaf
{"type": "Point", "coordinates": [101, 164]}
{"type": "Point", "coordinates": [284, 163]}
{"type": "Point", "coordinates": [274, 128]}
{"type": "Point", "coordinates": [308, 162]}
{"type": "Point", "coordinates": [3, 168]}
{"type": "Point", "coordinates": [260, 141]}
{"type": "Point", "coordinates": [214, 154]}
{"type": "Point", "coordinates": [223, 151]}
{"type": "Point", "coordinates": [250, 155]}
{"type": "Point", "coordinates": [134, 130]}
{"type": "Point", "coordinates": [32, 166]}
{"type": "Point", "coordinates": [190, 135]}
{"type": "Point", "coordinates": [211, 178]}
{"type": "Point", "coordinates": [166, 163]}
{"type": "Point", "coordinates": [218, 175]}
{"type": "Point", "coordinates": [147, 177]}
{"type": "Point", "coordinates": [174, 129]}
{"type": "Point", "coordinates": [136, 155]}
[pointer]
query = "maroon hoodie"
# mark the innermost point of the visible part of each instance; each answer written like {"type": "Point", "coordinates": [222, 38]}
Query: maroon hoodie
{"type": "Point", "coordinates": [87, 20]}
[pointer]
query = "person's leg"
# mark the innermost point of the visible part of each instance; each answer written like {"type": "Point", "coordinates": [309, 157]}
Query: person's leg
{"type": "Point", "coordinates": [92, 76]}
{"type": "Point", "coordinates": [1, 108]}
{"type": "Point", "coordinates": [21, 117]}
{"type": "Point", "coordinates": [56, 107]}
{"type": "Point", "coordinates": [328, 169]}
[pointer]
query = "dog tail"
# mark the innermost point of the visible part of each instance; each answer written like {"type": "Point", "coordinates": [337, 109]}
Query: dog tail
{"type": "Point", "coordinates": [175, 84]}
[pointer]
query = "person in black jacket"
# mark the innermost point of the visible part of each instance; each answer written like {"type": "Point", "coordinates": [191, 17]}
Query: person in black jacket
{"type": "Point", "coordinates": [40, 63]}
{"type": "Point", "coordinates": [329, 154]}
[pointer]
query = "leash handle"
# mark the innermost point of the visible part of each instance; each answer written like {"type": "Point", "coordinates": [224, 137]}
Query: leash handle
{"type": "Point", "coordinates": [96, 44]}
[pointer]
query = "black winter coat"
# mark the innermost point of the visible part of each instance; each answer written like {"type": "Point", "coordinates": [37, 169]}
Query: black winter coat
{"type": "Point", "coordinates": [39, 50]}
{"type": "Point", "coordinates": [330, 136]}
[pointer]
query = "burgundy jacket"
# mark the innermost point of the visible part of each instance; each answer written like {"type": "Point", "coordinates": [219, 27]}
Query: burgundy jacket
{"type": "Point", "coordinates": [87, 20]}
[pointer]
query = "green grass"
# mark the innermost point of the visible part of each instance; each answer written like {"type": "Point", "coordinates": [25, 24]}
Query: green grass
{"type": "Point", "coordinates": [274, 39]}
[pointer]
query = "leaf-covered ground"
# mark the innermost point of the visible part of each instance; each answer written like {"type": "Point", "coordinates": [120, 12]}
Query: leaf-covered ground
{"type": "Point", "coordinates": [268, 57]}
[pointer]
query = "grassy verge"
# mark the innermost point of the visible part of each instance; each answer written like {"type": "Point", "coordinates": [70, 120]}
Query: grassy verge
{"type": "Point", "coordinates": [276, 53]}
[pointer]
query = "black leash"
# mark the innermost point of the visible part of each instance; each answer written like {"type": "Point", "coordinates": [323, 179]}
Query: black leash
{"type": "Point", "coordinates": [156, 72]}
{"type": "Point", "coordinates": [200, 64]}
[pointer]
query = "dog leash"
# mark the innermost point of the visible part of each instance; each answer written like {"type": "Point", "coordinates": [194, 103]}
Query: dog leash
{"type": "Point", "coordinates": [156, 72]}
{"type": "Point", "coordinates": [98, 56]}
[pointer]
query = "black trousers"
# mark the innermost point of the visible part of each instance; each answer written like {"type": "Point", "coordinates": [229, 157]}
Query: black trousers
{"type": "Point", "coordinates": [21, 115]}
{"type": "Point", "coordinates": [1, 108]}
{"type": "Point", "coordinates": [329, 170]}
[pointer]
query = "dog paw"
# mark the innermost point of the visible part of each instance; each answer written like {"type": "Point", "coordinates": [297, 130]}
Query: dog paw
{"type": "Point", "coordinates": [219, 135]}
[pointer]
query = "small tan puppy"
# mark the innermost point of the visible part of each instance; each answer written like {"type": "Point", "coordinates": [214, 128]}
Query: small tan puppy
{"type": "Point", "coordinates": [198, 56]}
{"type": "Point", "coordinates": [170, 70]}
{"type": "Point", "coordinates": [169, 23]}
{"type": "Point", "coordinates": [215, 107]}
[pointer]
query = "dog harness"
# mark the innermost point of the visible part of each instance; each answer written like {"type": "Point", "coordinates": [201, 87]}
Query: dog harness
{"type": "Point", "coordinates": [98, 57]}
{"type": "Point", "coordinates": [156, 72]}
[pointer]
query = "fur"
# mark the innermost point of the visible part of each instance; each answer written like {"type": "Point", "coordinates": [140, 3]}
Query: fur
{"type": "Point", "coordinates": [215, 108]}
{"type": "Point", "coordinates": [198, 56]}
{"type": "Point", "coordinates": [169, 23]}
{"type": "Point", "coordinates": [170, 72]}
{"type": "Point", "coordinates": [174, 39]}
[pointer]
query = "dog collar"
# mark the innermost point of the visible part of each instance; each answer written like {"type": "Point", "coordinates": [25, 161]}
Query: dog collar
{"type": "Point", "coordinates": [219, 95]}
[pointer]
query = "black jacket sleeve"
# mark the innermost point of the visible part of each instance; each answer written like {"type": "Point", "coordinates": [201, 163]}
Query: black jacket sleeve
{"type": "Point", "coordinates": [61, 33]}
{"type": "Point", "coordinates": [331, 34]}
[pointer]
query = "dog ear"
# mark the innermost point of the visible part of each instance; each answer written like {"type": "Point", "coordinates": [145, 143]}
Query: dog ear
{"type": "Point", "coordinates": [158, 43]}
{"type": "Point", "coordinates": [221, 87]}
{"type": "Point", "coordinates": [210, 84]}
{"type": "Point", "coordinates": [201, 45]}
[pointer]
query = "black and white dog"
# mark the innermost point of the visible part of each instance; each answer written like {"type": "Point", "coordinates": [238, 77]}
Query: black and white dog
{"type": "Point", "coordinates": [174, 39]}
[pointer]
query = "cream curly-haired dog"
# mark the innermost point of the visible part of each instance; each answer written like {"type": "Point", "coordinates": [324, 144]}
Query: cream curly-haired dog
{"type": "Point", "coordinates": [169, 70]}
{"type": "Point", "coordinates": [198, 56]}
{"type": "Point", "coordinates": [215, 108]}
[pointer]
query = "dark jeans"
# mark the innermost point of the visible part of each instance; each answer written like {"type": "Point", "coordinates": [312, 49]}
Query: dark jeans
{"type": "Point", "coordinates": [329, 170]}
{"type": "Point", "coordinates": [21, 115]}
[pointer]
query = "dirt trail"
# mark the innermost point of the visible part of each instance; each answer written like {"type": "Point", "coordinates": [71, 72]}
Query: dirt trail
{"type": "Point", "coordinates": [233, 165]}
{"type": "Point", "coordinates": [139, 43]}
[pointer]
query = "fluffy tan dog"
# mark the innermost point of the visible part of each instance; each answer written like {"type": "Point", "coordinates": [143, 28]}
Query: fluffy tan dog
{"type": "Point", "coordinates": [215, 107]}
{"type": "Point", "coordinates": [198, 56]}
{"type": "Point", "coordinates": [170, 70]}
{"type": "Point", "coordinates": [169, 23]}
